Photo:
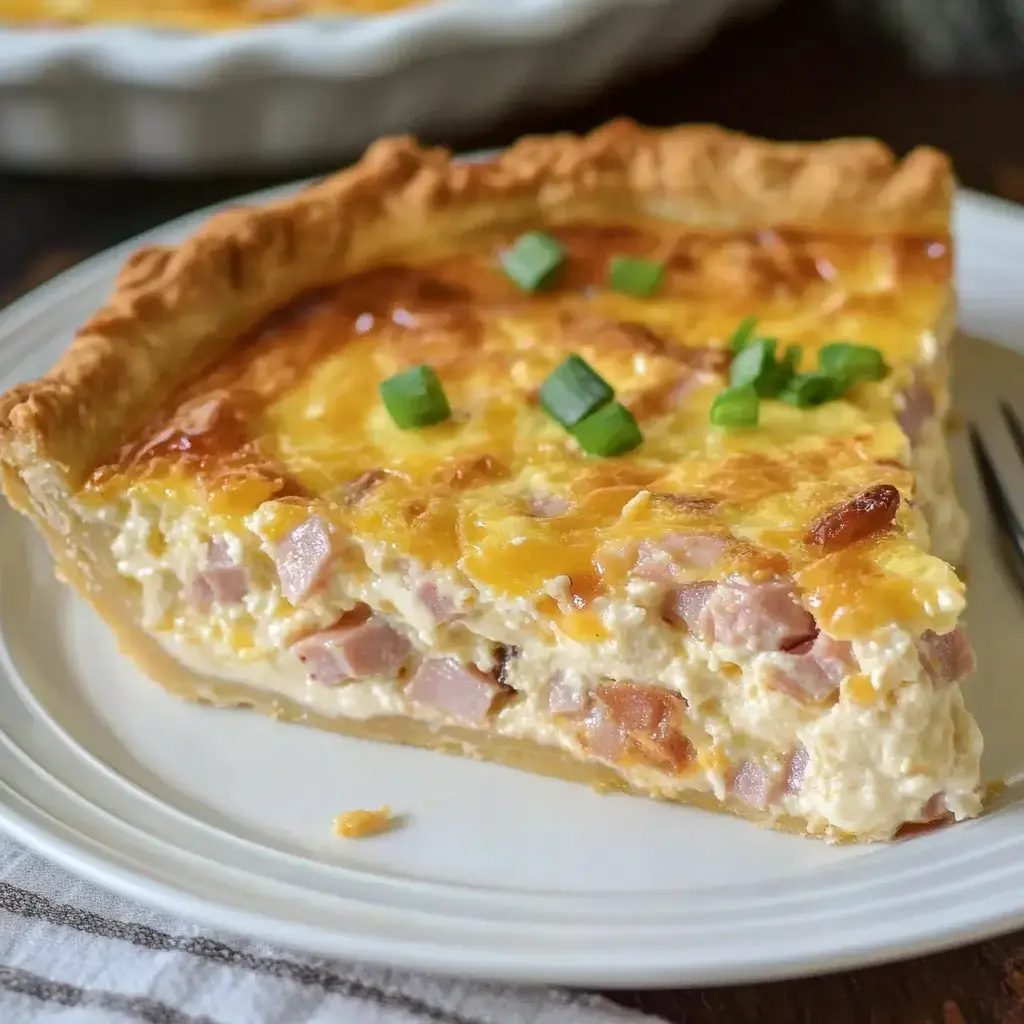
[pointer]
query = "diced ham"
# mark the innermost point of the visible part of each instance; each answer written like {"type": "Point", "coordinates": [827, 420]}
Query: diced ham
{"type": "Point", "coordinates": [221, 581]}
{"type": "Point", "coordinates": [687, 604]}
{"type": "Point", "coordinates": [697, 550]}
{"type": "Point", "coordinates": [750, 783]}
{"type": "Point", "coordinates": [946, 657]}
{"type": "Point", "coordinates": [352, 652]}
{"type": "Point", "coordinates": [199, 593]}
{"type": "Point", "coordinates": [638, 708]}
{"type": "Point", "coordinates": [462, 691]}
{"type": "Point", "coordinates": [355, 490]}
{"type": "Point", "coordinates": [660, 560]}
{"type": "Point", "coordinates": [934, 814]}
{"type": "Point", "coordinates": [811, 670]}
{"type": "Point", "coordinates": [795, 770]}
{"type": "Point", "coordinates": [759, 616]}
{"type": "Point", "coordinates": [440, 607]}
{"type": "Point", "coordinates": [302, 558]}
{"type": "Point", "coordinates": [564, 698]}
{"type": "Point", "coordinates": [546, 506]}
{"type": "Point", "coordinates": [651, 720]}
{"type": "Point", "coordinates": [605, 738]}
{"type": "Point", "coordinates": [935, 808]}
{"type": "Point", "coordinates": [918, 408]}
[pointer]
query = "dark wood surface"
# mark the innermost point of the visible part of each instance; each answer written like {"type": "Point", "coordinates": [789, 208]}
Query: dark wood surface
{"type": "Point", "coordinates": [797, 74]}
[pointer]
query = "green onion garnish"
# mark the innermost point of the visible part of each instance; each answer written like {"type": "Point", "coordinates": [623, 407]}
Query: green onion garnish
{"type": "Point", "coordinates": [743, 334]}
{"type": "Point", "coordinates": [779, 373]}
{"type": "Point", "coordinates": [737, 406]}
{"type": "Point", "coordinates": [533, 260]}
{"type": "Point", "coordinates": [611, 430]}
{"type": "Point", "coordinates": [415, 398]}
{"type": "Point", "coordinates": [844, 359]}
{"type": "Point", "coordinates": [807, 389]}
{"type": "Point", "coordinates": [794, 353]}
{"type": "Point", "coordinates": [574, 391]}
{"type": "Point", "coordinates": [634, 276]}
{"type": "Point", "coordinates": [755, 364]}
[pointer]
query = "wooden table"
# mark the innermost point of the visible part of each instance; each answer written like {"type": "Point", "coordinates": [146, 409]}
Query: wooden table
{"type": "Point", "coordinates": [796, 75]}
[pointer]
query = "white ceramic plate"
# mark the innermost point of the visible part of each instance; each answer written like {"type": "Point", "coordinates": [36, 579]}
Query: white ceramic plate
{"type": "Point", "coordinates": [226, 817]}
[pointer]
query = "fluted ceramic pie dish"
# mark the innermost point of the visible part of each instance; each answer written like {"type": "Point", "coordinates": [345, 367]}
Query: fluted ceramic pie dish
{"type": "Point", "coordinates": [104, 97]}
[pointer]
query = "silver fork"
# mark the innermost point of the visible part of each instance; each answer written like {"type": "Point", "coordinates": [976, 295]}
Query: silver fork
{"type": "Point", "coordinates": [1009, 528]}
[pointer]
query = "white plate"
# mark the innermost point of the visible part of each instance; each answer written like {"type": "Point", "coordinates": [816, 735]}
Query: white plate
{"type": "Point", "coordinates": [225, 817]}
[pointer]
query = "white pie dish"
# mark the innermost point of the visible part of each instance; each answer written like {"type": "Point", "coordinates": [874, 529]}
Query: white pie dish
{"type": "Point", "coordinates": [315, 91]}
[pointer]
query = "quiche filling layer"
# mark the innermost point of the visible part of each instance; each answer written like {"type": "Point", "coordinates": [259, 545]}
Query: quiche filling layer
{"type": "Point", "coordinates": [673, 613]}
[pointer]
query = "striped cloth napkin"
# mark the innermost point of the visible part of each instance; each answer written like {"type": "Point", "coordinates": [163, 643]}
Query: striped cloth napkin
{"type": "Point", "coordinates": [71, 953]}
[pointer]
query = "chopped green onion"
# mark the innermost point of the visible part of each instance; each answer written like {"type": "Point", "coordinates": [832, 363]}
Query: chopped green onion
{"type": "Point", "coordinates": [611, 430]}
{"type": "Point", "coordinates": [738, 406]}
{"type": "Point", "coordinates": [634, 276]}
{"type": "Point", "coordinates": [794, 353]}
{"type": "Point", "coordinates": [755, 364]}
{"type": "Point", "coordinates": [573, 391]}
{"type": "Point", "coordinates": [807, 389]}
{"type": "Point", "coordinates": [533, 260]}
{"type": "Point", "coordinates": [852, 362]}
{"type": "Point", "coordinates": [415, 398]}
{"type": "Point", "coordinates": [743, 334]}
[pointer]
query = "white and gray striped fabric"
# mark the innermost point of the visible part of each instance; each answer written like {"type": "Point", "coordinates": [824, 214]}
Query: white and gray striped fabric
{"type": "Point", "coordinates": [71, 953]}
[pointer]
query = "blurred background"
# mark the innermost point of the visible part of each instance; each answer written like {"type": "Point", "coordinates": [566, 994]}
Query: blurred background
{"type": "Point", "coordinates": [106, 131]}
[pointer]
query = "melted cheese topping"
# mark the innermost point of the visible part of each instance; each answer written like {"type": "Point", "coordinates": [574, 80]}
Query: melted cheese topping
{"type": "Point", "coordinates": [292, 420]}
{"type": "Point", "coordinates": [187, 14]}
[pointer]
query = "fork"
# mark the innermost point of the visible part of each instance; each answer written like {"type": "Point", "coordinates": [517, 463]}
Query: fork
{"type": "Point", "coordinates": [1009, 528]}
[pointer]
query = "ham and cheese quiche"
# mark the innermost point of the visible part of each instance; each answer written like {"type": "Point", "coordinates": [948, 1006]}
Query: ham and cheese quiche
{"type": "Point", "coordinates": [186, 14]}
{"type": "Point", "coordinates": [618, 458]}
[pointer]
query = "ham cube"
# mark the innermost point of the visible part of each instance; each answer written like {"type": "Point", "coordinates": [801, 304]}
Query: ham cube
{"type": "Point", "coordinates": [649, 721]}
{"type": "Point", "coordinates": [439, 606]}
{"type": "Point", "coordinates": [758, 788]}
{"type": "Point", "coordinates": [221, 581]}
{"type": "Point", "coordinates": [795, 770]}
{"type": "Point", "coordinates": [302, 559]}
{"type": "Point", "coordinates": [369, 649]}
{"type": "Point", "coordinates": [758, 616]}
{"type": "Point", "coordinates": [813, 669]}
{"type": "Point", "coordinates": [946, 657]}
{"type": "Point", "coordinates": [661, 560]}
{"type": "Point", "coordinates": [750, 783]}
{"type": "Point", "coordinates": [918, 407]}
{"type": "Point", "coordinates": [461, 691]}
{"type": "Point", "coordinates": [686, 605]}
{"type": "Point", "coordinates": [564, 698]}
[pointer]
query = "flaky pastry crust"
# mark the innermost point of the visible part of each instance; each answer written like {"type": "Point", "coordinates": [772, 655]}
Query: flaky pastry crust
{"type": "Point", "coordinates": [175, 308]}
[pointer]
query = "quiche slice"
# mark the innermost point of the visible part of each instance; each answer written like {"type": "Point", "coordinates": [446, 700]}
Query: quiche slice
{"type": "Point", "coordinates": [618, 458]}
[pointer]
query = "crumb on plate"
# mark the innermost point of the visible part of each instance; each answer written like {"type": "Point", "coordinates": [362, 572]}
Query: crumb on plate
{"type": "Point", "coordinates": [360, 824]}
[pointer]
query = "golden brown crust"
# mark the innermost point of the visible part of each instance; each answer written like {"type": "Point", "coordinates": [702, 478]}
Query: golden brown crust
{"type": "Point", "coordinates": [174, 309]}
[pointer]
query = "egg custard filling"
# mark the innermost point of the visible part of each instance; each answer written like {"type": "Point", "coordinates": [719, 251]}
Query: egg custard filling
{"type": "Point", "coordinates": [618, 458]}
